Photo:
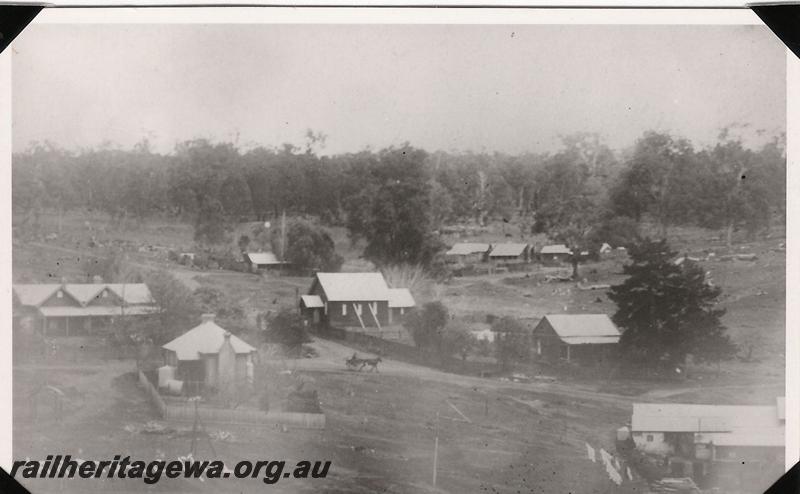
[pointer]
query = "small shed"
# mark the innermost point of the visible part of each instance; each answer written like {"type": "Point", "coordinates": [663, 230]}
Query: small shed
{"type": "Point", "coordinates": [510, 252]}
{"type": "Point", "coordinates": [210, 356]}
{"type": "Point", "coordinates": [554, 254]}
{"type": "Point", "coordinates": [582, 338]}
{"type": "Point", "coordinates": [467, 253]}
{"type": "Point", "coordinates": [260, 261]}
{"type": "Point", "coordinates": [400, 302]}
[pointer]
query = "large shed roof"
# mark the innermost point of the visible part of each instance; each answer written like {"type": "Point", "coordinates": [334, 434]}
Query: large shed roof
{"type": "Point", "coordinates": [347, 287]}
{"type": "Point", "coordinates": [36, 294]}
{"type": "Point", "coordinates": [508, 250]}
{"type": "Point", "coordinates": [674, 417]}
{"type": "Point", "coordinates": [555, 249]}
{"type": "Point", "coordinates": [465, 249]}
{"type": "Point", "coordinates": [581, 329]}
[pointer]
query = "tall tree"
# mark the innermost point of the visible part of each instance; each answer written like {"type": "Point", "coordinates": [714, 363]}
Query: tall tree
{"type": "Point", "coordinates": [667, 310]}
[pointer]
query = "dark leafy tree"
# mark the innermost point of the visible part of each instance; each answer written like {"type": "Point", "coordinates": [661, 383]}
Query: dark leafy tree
{"type": "Point", "coordinates": [310, 248]}
{"type": "Point", "coordinates": [177, 309]}
{"type": "Point", "coordinates": [512, 341]}
{"type": "Point", "coordinates": [288, 329]}
{"type": "Point", "coordinates": [667, 310]}
{"type": "Point", "coordinates": [427, 325]}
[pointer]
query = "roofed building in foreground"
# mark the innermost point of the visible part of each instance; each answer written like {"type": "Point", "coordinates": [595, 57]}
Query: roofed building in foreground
{"type": "Point", "coordinates": [210, 356]}
{"type": "Point", "coordinates": [712, 442]}
{"type": "Point", "coordinates": [354, 299]}
{"type": "Point", "coordinates": [583, 338]}
{"type": "Point", "coordinates": [73, 309]}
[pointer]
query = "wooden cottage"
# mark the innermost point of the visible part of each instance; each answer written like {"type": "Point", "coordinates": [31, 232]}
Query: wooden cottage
{"type": "Point", "coordinates": [711, 443]}
{"type": "Point", "coordinates": [76, 309]}
{"type": "Point", "coordinates": [348, 299]}
{"type": "Point", "coordinates": [208, 356]}
{"type": "Point", "coordinates": [554, 254]}
{"type": "Point", "coordinates": [582, 338]}
{"type": "Point", "coordinates": [510, 252]}
{"type": "Point", "coordinates": [468, 253]}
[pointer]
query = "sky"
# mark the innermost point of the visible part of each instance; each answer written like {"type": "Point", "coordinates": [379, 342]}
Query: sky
{"type": "Point", "coordinates": [511, 89]}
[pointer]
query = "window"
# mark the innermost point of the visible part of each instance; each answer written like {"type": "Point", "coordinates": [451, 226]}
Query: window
{"type": "Point", "coordinates": [402, 310]}
{"type": "Point", "coordinates": [649, 438]}
{"type": "Point", "coordinates": [344, 309]}
{"type": "Point", "coordinates": [538, 346]}
{"type": "Point", "coordinates": [359, 308]}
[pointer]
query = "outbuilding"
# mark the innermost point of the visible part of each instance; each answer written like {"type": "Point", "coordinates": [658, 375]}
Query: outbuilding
{"type": "Point", "coordinates": [400, 303]}
{"type": "Point", "coordinates": [510, 252]}
{"type": "Point", "coordinates": [468, 253]}
{"type": "Point", "coordinates": [583, 338]}
{"type": "Point", "coordinates": [554, 254]}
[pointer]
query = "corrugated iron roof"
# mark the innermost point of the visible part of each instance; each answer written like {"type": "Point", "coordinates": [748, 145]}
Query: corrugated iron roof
{"type": "Point", "coordinates": [263, 258]}
{"type": "Point", "coordinates": [312, 301]}
{"type": "Point", "coordinates": [507, 250]}
{"type": "Point", "coordinates": [207, 338]}
{"type": "Point", "coordinates": [671, 417]}
{"type": "Point", "coordinates": [401, 297]}
{"type": "Point", "coordinates": [346, 287]}
{"type": "Point", "coordinates": [555, 249]}
{"type": "Point", "coordinates": [574, 326]}
{"type": "Point", "coordinates": [36, 294]}
{"type": "Point", "coordinates": [769, 437]}
{"type": "Point", "coordinates": [464, 249]}
{"type": "Point", "coordinates": [97, 311]}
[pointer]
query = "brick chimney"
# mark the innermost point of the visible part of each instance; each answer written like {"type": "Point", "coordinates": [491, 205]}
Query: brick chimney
{"type": "Point", "coordinates": [207, 318]}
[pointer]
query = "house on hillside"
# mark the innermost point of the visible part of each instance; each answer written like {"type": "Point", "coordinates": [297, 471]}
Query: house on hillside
{"type": "Point", "coordinates": [400, 303]}
{"type": "Point", "coordinates": [468, 253]}
{"type": "Point", "coordinates": [261, 261]}
{"type": "Point", "coordinates": [76, 309]}
{"type": "Point", "coordinates": [208, 356]}
{"type": "Point", "coordinates": [348, 299]}
{"type": "Point", "coordinates": [510, 252]}
{"type": "Point", "coordinates": [554, 254]}
{"type": "Point", "coordinates": [712, 442]}
{"type": "Point", "coordinates": [582, 338]}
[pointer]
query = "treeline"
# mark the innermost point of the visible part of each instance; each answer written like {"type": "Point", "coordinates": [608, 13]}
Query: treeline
{"type": "Point", "coordinates": [583, 187]}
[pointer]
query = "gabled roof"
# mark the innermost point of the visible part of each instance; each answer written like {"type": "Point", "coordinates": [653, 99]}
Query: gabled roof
{"type": "Point", "coordinates": [724, 425]}
{"type": "Point", "coordinates": [464, 249]}
{"type": "Point", "coordinates": [401, 297]}
{"type": "Point", "coordinates": [581, 329]}
{"type": "Point", "coordinates": [312, 301]}
{"type": "Point", "coordinates": [508, 249]}
{"type": "Point", "coordinates": [346, 287]}
{"type": "Point", "coordinates": [555, 249]}
{"type": "Point", "coordinates": [263, 258]}
{"type": "Point", "coordinates": [207, 338]}
{"type": "Point", "coordinates": [85, 292]}
{"type": "Point", "coordinates": [36, 294]}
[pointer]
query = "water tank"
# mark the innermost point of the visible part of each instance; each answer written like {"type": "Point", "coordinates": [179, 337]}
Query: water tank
{"type": "Point", "coordinates": [174, 387]}
{"type": "Point", "coordinates": [165, 374]}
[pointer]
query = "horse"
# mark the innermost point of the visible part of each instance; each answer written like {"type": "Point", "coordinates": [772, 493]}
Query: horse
{"type": "Point", "coordinates": [372, 363]}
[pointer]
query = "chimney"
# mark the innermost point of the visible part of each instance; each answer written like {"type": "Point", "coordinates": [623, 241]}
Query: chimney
{"type": "Point", "coordinates": [207, 318]}
{"type": "Point", "coordinates": [97, 279]}
{"type": "Point", "coordinates": [227, 335]}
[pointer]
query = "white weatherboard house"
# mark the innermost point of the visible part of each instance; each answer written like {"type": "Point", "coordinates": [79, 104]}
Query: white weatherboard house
{"type": "Point", "coordinates": [208, 355]}
{"type": "Point", "coordinates": [400, 301]}
{"type": "Point", "coordinates": [717, 433]}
